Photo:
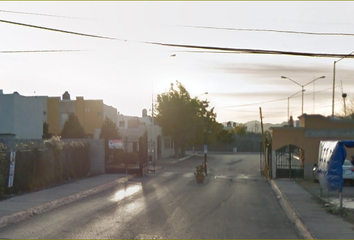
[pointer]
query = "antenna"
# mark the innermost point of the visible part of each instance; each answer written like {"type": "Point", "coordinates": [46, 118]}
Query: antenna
{"type": "Point", "coordinates": [344, 95]}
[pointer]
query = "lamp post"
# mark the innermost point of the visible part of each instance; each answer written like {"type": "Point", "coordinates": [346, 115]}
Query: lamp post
{"type": "Point", "coordinates": [288, 102]}
{"type": "Point", "coordinates": [334, 81]}
{"type": "Point", "coordinates": [302, 89]}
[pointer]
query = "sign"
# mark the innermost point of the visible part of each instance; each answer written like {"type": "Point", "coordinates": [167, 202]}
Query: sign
{"type": "Point", "coordinates": [205, 149]}
{"type": "Point", "coordinates": [115, 144]}
{"type": "Point", "coordinates": [12, 169]}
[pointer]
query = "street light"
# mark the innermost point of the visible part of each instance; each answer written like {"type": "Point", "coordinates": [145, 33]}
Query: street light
{"type": "Point", "coordinates": [302, 89]}
{"type": "Point", "coordinates": [288, 102]}
{"type": "Point", "coordinates": [334, 81]}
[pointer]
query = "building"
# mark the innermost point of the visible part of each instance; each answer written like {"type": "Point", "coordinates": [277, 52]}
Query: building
{"type": "Point", "coordinates": [21, 116]}
{"type": "Point", "coordinates": [91, 114]}
{"type": "Point", "coordinates": [131, 128]}
{"type": "Point", "coordinates": [305, 140]}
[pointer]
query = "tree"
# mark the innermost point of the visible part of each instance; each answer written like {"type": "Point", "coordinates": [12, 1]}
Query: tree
{"type": "Point", "coordinates": [240, 129]}
{"type": "Point", "coordinates": [185, 120]}
{"type": "Point", "coordinates": [109, 130]}
{"type": "Point", "coordinates": [348, 109]}
{"type": "Point", "coordinates": [46, 134]}
{"type": "Point", "coordinates": [72, 128]}
{"type": "Point", "coordinates": [225, 137]}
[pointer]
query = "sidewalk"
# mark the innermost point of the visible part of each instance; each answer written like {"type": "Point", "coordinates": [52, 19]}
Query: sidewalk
{"type": "Point", "coordinates": [308, 213]}
{"type": "Point", "coordinates": [22, 207]}
{"type": "Point", "coordinates": [25, 206]}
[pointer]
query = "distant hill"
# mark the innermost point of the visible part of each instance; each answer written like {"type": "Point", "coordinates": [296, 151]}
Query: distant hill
{"type": "Point", "coordinates": [255, 126]}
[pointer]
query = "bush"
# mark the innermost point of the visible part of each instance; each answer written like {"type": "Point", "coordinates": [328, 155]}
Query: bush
{"type": "Point", "coordinates": [41, 166]}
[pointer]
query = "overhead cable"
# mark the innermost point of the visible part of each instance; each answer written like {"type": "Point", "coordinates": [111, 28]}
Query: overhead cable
{"type": "Point", "coordinates": [222, 49]}
{"type": "Point", "coordinates": [59, 30]}
{"type": "Point", "coordinates": [38, 14]}
{"type": "Point", "coordinates": [271, 30]}
{"type": "Point", "coordinates": [281, 99]}
{"type": "Point", "coordinates": [41, 51]}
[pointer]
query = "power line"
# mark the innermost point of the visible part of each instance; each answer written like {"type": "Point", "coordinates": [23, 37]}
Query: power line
{"type": "Point", "coordinates": [41, 51]}
{"type": "Point", "coordinates": [270, 30]}
{"type": "Point", "coordinates": [256, 51]}
{"type": "Point", "coordinates": [281, 99]}
{"type": "Point", "coordinates": [60, 30]}
{"type": "Point", "coordinates": [222, 49]}
{"type": "Point", "coordinates": [38, 14]}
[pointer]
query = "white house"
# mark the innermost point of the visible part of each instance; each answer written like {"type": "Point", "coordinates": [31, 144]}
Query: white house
{"type": "Point", "coordinates": [22, 116]}
{"type": "Point", "coordinates": [132, 127]}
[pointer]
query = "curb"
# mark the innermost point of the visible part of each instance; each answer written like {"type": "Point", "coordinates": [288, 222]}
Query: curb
{"type": "Point", "coordinates": [290, 212]}
{"type": "Point", "coordinates": [182, 159]}
{"type": "Point", "coordinates": [19, 216]}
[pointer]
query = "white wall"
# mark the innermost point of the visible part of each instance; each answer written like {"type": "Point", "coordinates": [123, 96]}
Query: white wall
{"type": "Point", "coordinates": [6, 113]}
{"type": "Point", "coordinates": [23, 116]}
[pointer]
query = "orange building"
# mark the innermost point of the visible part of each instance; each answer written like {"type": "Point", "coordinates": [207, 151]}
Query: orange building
{"type": "Point", "coordinates": [91, 114]}
{"type": "Point", "coordinates": [296, 149]}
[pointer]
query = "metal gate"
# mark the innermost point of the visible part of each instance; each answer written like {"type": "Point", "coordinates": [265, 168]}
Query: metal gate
{"type": "Point", "coordinates": [290, 162]}
{"type": "Point", "coordinates": [131, 159]}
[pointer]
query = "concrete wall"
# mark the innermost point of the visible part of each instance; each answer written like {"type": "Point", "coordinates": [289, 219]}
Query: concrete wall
{"type": "Point", "coordinates": [97, 154]}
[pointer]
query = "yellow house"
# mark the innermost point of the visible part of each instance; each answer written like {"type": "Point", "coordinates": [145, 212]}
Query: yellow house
{"type": "Point", "coordinates": [295, 149]}
{"type": "Point", "coordinates": [91, 114]}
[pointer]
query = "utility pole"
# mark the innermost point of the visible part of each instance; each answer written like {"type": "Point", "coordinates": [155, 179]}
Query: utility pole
{"type": "Point", "coordinates": [266, 170]}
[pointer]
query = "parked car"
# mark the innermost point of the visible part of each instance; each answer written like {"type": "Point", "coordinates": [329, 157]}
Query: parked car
{"type": "Point", "coordinates": [348, 172]}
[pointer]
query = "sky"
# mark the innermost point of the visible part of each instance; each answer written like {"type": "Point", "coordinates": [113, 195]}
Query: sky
{"type": "Point", "coordinates": [127, 71]}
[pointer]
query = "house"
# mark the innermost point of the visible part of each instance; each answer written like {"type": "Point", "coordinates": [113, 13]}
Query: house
{"type": "Point", "coordinates": [91, 114]}
{"type": "Point", "coordinates": [21, 116]}
{"type": "Point", "coordinates": [132, 127]}
{"type": "Point", "coordinates": [295, 149]}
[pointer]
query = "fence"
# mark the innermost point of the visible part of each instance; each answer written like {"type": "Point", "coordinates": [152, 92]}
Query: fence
{"type": "Point", "coordinates": [41, 168]}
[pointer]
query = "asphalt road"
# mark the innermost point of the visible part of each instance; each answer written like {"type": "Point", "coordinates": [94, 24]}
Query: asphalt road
{"type": "Point", "coordinates": [233, 202]}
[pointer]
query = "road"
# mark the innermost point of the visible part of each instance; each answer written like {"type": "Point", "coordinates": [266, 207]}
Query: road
{"type": "Point", "coordinates": [233, 202]}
